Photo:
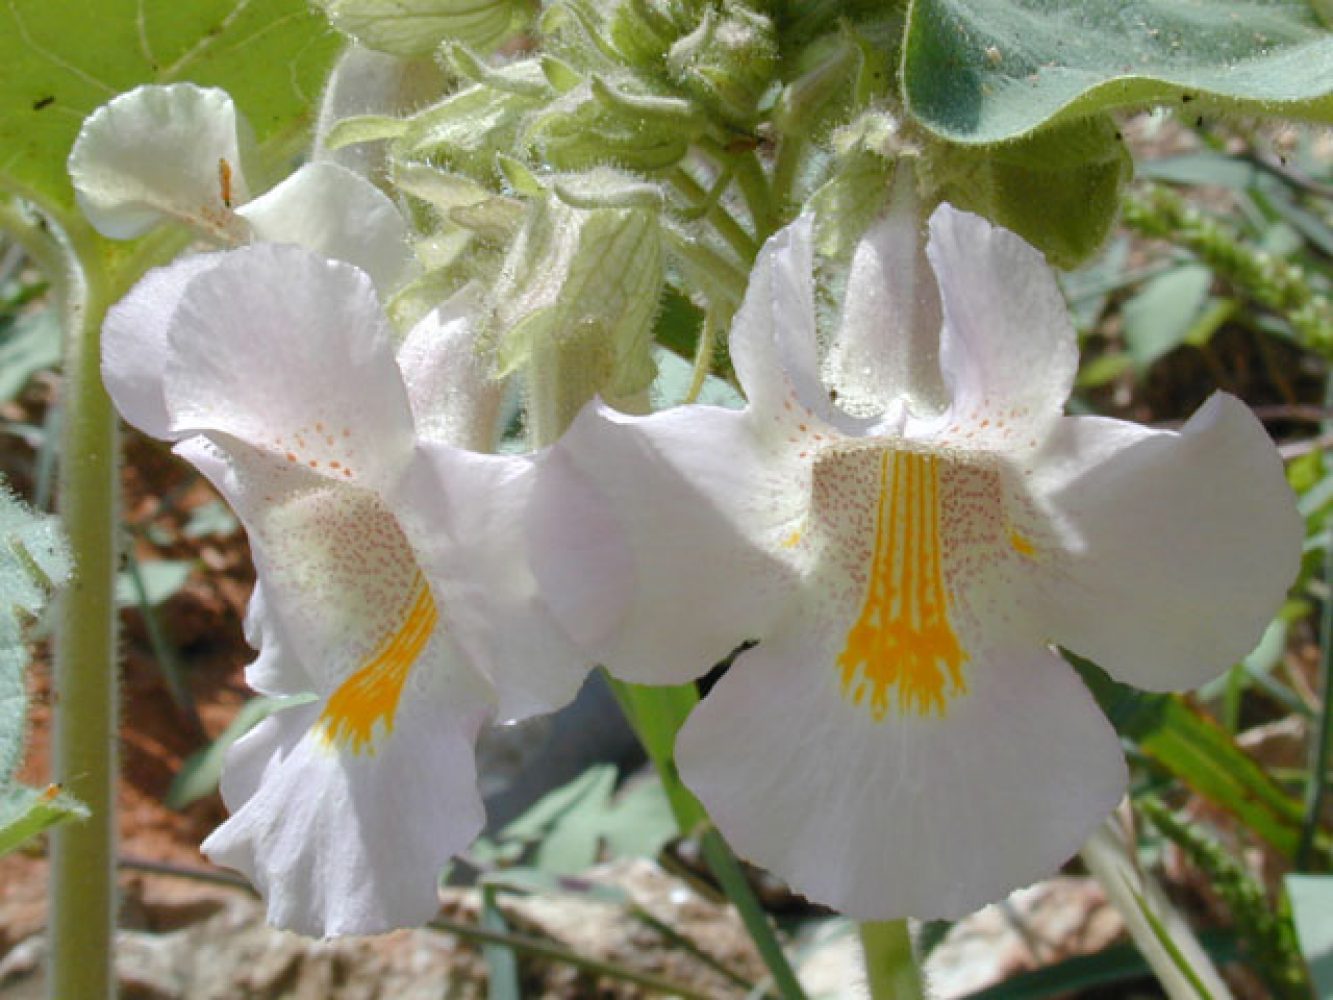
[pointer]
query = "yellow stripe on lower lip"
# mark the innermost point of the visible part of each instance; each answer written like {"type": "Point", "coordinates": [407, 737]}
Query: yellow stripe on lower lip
{"type": "Point", "coordinates": [903, 638]}
{"type": "Point", "coordinates": [370, 695]}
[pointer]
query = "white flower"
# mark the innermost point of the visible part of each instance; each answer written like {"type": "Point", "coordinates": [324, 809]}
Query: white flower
{"type": "Point", "coordinates": [180, 152]}
{"type": "Point", "coordinates": [904, 740]}
{"type": "Point", "coordinates": [393, 580]}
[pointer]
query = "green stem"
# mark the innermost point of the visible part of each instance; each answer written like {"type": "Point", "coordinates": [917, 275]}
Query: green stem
{"type": "Point", "coordinates": [757, 193]}
{"type": "Point", "coordinates": [723, 282]}
{"type": "Point", "coordinates": [891, 969]}
{"type": "Point", "coordinates": [723, 222]}
{"type": "Point", "coordinates": [703, 355]}
{"type": "Point", "coordinates": [85, 741]}
{"type": "Point", "coordinates": [784, 173]}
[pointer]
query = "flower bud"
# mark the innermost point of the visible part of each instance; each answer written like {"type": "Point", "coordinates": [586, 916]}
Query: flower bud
{"type": "Point", "coordinates": [829, 68]}
{"type": "Point", "coordinates": [727, 62]}
{"type": "Point", "coordinates": [600, 122]}
{"type": "Point", "coordinates": [857, 186]}
{"type": "Point", "coordinates": [468, 129]}
{"type": "Point", "coordinates": [642, 31]}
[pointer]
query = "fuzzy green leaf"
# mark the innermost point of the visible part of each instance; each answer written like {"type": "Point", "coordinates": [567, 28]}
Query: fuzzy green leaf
{"type": "Point", "coordinates": [34, 559]}
{"type": "Point", "coordinates": [979, 71]}
{"type": "Point", "coordinates": [63, 59]}
{"type": "Point", "coordinates": [1058, 188]}
{"type": "Point", "coordinates": [26, 812]}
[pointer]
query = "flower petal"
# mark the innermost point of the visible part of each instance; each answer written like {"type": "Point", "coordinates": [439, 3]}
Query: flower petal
{"type": "Point", "coordinates": [1185, 543]}
{"type": "Point", "coordinates": [1008, 350]}
{"type": "Point", "coordinates": [340, 215]}
{"type": "Point", "coordinates": [923, 816]}
{"type": "Point", "coordinates": [276, 670]}
{"type": "Point", "coordinates": [339, 577]}
{"type": "Point", "coordinates": [703, 507]}
{"type": "Point", "coordinates": [455, 398]}
{"type": "Point", "coordinates": [134, 343]}
{"type": "Point", "coordinates": [773, 336]}
{"type": "Point", "coordinates": [162, 152]}
{"type": "Point", "coordinates": [342, 843]}
{"type": "Point", "coordinates": [291, 353]}
{"type": "Point", "coordinates": [466, 517]}
{"type": "Point", "coordinates": [888, 343]}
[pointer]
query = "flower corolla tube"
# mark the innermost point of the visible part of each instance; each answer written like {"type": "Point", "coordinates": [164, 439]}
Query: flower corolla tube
{"type": "Point", "coordinates": [909, 524]}
{"type": "Point", "coordinates": [393, 580]}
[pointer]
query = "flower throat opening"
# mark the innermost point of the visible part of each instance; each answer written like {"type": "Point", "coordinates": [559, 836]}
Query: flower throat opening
{"type": "Point", "coordinates": [902, 651]}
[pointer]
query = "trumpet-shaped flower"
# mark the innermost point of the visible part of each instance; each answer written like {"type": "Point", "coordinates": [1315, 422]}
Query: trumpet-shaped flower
{"type": "Point", "coordinates": [393, 578]}
{"type": "Point", "coordinates": [180, 152]}
{"type": "Point", "coordinates": [908, 528]}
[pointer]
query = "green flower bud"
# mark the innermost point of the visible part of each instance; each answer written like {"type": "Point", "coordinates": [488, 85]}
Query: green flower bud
{"type": "Point", "coordinates": [727, 62]}
{"type": "Point", "coordinates": [858, 185]}
{"type": "Point", "coordinates": [467, 130]}
{"type": "Point", "coordinates": [599, 123]}
{"type": "Point", "coordinates": [642, 31]}
{"type": "Point", "coordinates": [417, 27]}
{"type": "Point", "coordinates": [582, 280]}
{"type": "Point", "coordinates": [827, 73]}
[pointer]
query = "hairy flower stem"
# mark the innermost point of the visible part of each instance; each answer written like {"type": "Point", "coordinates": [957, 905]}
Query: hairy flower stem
{"type": "Point", "coordinates": [891, 969]}
{"type": "Point", "coordinates": [722, 221]}
{"type": "Point", "coordinates": [85, 282]}
{"type": "Point", "coordinates": [85, 750]}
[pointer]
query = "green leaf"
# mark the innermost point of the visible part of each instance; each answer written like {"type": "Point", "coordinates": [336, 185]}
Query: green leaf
{"type": "Point", "coordinates": [65, 58]}
{"type": "Point", "coordinates": [977, 71]}
{"type": "Point", "coordinates": [563, 823]}
{"type": "Point", "coordinates": [162, 578]}
{"type": "Point", "coordinates": [1058, 188]}
{"type": "Point", "coordinates": [26, 812]}
{"type": "Point", "coordinates": [1118, 963]}
{"type": "Point", "coordinates": [501, 962]}
{"type": "Point", "coordinates": [640, 822]}
{"type": "Point", "coordinates": [1202, 754]}
{"type": "Point", "coordinates": [34, 559]}
{"type": "Point", "coordinates": [1160, 316]}
{"type": "Point", "coordinates": [570, 826]}
{"type": "Point", "coordinates": [572, 843]}
{"type": "Point", "coordinates": [679, 323]}
{"type": "Point", "coordinates": [1201, 168]}
{"type": "Point", "coordinates": [1312, 910]}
